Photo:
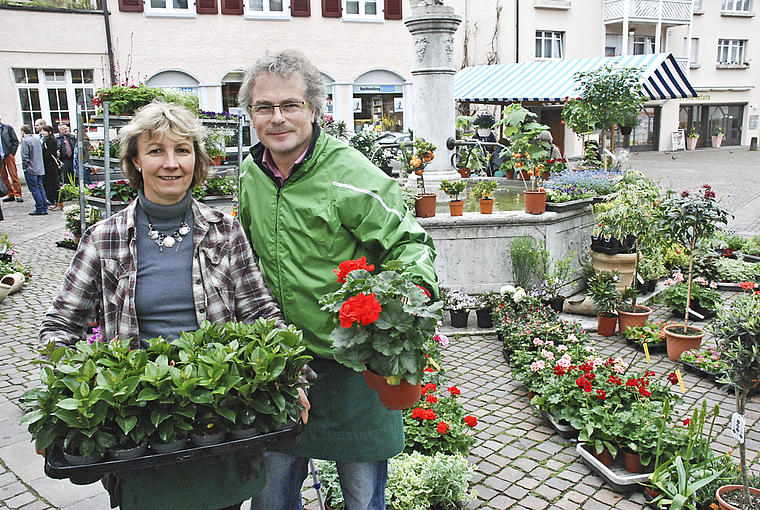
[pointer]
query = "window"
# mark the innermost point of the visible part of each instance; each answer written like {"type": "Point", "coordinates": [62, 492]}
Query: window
{"type": "Point", "coordinates": [54, 98]}
{"type": "Point", "coordinates": [272, 9]}
{"type": "Point", "coordinates": [731, 51]}
{"type": "Point", "coordinates": [694, 56]}
{"type": "Point", "coordinates": [736, 5]}
{"type": "Point", "coordinates": [549, 44]}
{"type": "Point", "coordinates": [170, 8]}
{"type": "Point", "coordinates": [362, 10]}
{"type": "Point", "coordinates": [643, 45]}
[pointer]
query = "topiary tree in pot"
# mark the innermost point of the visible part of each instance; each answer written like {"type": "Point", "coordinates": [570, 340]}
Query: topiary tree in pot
{"type": "Point", "coordinates": [738, 328]}
{"type": "Point", "coordinates": [690, 217]}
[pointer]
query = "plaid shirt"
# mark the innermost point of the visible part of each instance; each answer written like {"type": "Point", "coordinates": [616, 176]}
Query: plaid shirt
{"type": "Point", "coordinates": [100, 282]}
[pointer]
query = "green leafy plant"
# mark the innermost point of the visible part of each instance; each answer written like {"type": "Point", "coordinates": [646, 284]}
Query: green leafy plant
{"type": "Point", "coordinates": [453, 188]}
{"type": "Point", "coordinates": [734, 270]}
{"type": "Point", "coordinates": [218, 186]}
{"type": "Point", "coordinates": [676, 296]}
{"type": "Point", "coordinates": [604, 293]}
{"type": "Point", "coordinates": [651, 334]}
{"type": "Point", "coordinates": [690, 217]}
{"type": "Point", "coordinates": [484, 190]}
{"type": "Point", "coordinates": [126, 99]}
{"type": "Point", "coordinates": [365, 141]}
{"type": "Point", "coordinates": [215, 142]}
{"type": "Point", "coordinates": [524, 254]}
{"type": "Point", "coordinates": [484, 120]}
{"type": "Point", "coordinates": [121, 190]}
{"type": "Point", "coordinates": [380, 322]}
{"type": "Point", "coordinates": [553, 274]}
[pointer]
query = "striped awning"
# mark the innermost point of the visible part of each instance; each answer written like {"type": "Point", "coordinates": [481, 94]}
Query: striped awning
{"type": "Point", "coordinates": [554, 80]}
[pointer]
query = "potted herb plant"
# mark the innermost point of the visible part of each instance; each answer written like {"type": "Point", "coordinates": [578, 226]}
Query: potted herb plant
{"type": "Point", "coordinates": [484, 193]}
{"type": "Point", "coordinates": [690, 217]}
{"type": "Point", "coordinates": [380, 323]}
{"type": "Point", "coordinates": [606, 297]}
{"type": "Point", "coordinates": [738, 330]}
{"type": "Point", "coordinates": [452, 190]}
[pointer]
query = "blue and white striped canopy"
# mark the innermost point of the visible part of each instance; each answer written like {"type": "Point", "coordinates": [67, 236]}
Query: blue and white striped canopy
{"type": "Point", "coordinates": [553, 80]}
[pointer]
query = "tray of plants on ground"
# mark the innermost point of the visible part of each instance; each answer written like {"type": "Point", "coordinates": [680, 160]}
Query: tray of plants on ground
{"type": "Point", "coordinates": [104, 407]}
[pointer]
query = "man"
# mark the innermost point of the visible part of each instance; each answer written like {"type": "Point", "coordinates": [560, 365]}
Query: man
{"type": "Point", "coordinates": [38, 125]}
{"type": "Point", "coordinates": [309, 202]}
{"type": "Point", "coordinates": [66, 144]}
{"type": "Point", "coordinates": [8, 170]}
{"type": "Point", "coordinates": [34, 169]}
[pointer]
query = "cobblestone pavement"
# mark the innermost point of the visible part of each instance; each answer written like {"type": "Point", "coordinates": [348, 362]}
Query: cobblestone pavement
{"type": "Point", "coordinates": [520, 462]}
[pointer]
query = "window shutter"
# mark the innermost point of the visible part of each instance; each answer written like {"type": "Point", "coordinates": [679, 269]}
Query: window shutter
{"type": "Point", "coordinates": [232, 6]}
{"type": "Point", "coordinates": [130, 5]}
{"type": "Point", "coordinates": [393, 9]}
{"type": "Point", "coordinates": [331, 8]}
{"type": "Point", "coordinates": [300, 8]}
{"type": "Point", "coordinates": [206, 7]}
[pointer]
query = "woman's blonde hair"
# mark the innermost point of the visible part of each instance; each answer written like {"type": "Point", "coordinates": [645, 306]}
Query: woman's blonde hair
{"type": "Point", "coordinates": [159, 119]}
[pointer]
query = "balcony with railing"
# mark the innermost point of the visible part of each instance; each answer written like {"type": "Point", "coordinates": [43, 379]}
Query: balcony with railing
{"type": "Point", "coordinates": [671, 12]}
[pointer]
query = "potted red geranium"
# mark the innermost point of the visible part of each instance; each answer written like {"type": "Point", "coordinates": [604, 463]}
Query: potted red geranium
{"type": "Point", "coordinates": [380, 323]}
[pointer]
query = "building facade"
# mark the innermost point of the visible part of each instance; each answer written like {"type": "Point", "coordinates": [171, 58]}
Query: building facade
{"type": "Point", "coordinates": [710, 39]}
{"type": "Point", "coordinates": [53, 59]}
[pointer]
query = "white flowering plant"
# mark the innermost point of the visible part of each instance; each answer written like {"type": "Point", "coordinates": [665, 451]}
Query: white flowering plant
{"type": "Point", "coordinates": [459, 300]}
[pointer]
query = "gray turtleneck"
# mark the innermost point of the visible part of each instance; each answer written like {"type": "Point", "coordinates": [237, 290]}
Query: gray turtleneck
{"type": "Point", "coordinates": [164, 294]}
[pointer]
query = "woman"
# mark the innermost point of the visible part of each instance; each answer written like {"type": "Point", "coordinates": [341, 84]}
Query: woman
{"type": "Point", "coordinates": [51, 181]}
{"type": "Point", "coordinates": [162, 265]}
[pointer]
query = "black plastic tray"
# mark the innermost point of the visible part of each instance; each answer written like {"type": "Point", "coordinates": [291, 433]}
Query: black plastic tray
{"type": "Point", "coordinates": [57, 467]}
{"type": "Point", "coordinates": [700, 372]}
{"type": "Point", "coordinates": [661, 348]}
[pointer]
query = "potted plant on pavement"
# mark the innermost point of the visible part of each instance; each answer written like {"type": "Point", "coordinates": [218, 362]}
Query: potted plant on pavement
{"type": "Point", "coordinates": [380, 324]}
{"type": "Point", "coordinates": [554, 276]}
{"type": "Point", "coordinates": [717, 137]}
{"type": "Point", "coordinates": [692, 138]}
{"type": "Point", "coordinates": [738, 330]}
{"type": "Point", "coordinates": [452, 190]}
{"type": "Point", "coordinates": [484, 123]}
{"type": "Point", "coordinates": [459, 305]}
{"type": "Point", "coordinates": [606, 297]}
{"type": "Point", "coordinates": [690, 217]}
{"type": "Point", "coordinates": [705, 300]}
{"type": "Point", "coordinates": [484, 193]}
{"type": "Point", "coordinates": [488, 301]}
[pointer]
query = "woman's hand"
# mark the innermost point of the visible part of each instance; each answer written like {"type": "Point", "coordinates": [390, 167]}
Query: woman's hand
{"type": "Point", "coordinates": [305, 403]}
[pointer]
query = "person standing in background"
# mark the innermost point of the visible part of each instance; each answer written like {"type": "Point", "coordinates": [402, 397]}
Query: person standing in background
{"type": "Point", "coordinates": [66, 144]}
{"type": "Point", "coordinates": [34, 169]}
{"type": "Point", "coordinates": [52, 179]}
{"type": "Point", "coordinates": [8, 170]}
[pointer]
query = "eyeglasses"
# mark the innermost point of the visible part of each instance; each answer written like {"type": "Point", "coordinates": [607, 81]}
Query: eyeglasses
{"type": "Point", "coordinates": [288, 110]}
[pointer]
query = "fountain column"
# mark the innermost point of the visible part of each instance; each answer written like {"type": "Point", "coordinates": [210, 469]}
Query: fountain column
{"type": "Point", "coordinates": [432, 26]}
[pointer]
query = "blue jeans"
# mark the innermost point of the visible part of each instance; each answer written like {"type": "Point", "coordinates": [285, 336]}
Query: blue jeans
{"type": "Point", "coordinates": [362, 483]}
{"type": "Point", "coordinates": [34, 183]}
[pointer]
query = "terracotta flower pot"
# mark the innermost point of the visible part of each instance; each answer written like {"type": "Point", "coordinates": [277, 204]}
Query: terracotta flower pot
{"type": "Point", "coordinates": [723, 504]}
{"type": "Point", "coordinates": [678, 343]}
{"type": "Point", "coordinates": [464, 172]}
{"type": "Point", "coordinates": [625, 263]}
{"type": "Point", "coordinates": [524, 175]}
{"type": "Point", "coordinates": [456, 207]}
{"type": "Point", "coordinates": [510, 174]}
{"type": "Point", "coordinates": [535, 202]}
{"type": "Point", "coordinates": [425, 205]}
{"type": "Point", "coordinates": [632, 462]}
{"type": "Point", "coordinates": [606, 325]}
{"type": "Point", "coordinates": [396, 398]}
{"type": "Point", "coordinates": [691, 143]}
{"type": "Point", "coordinates": [717, 141]}
{"type": "Point", "coordinates": [605, 457]}
{"type": "Point", "coordinates": [486, 205]}
{"type": "Point", "coordinates": [631, 319]}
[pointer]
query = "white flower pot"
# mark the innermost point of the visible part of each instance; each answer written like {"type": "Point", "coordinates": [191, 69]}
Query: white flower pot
{"type": "Point", "coordinates": [484, 132]}
{"type": "Point", "coordinates": [14, 281]}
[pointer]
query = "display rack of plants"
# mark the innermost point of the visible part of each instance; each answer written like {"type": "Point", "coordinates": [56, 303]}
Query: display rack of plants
{"type": "Point", "coordinates": [660, 348]}
{"type": "Point", "coordinates": [572, 205]}
{"type": "Point", "coordinates": [561, 427]}
{"type": "Point", "coordinates": [694, 369]}
{"type": "Point", "coordinates": [615, 476]}
{"type": "Point", "coordinates": [57, 467]}
{"type": "Point", "coordinates": [99, 161]}
{"type": "Point", "coordinates": [100, 203]}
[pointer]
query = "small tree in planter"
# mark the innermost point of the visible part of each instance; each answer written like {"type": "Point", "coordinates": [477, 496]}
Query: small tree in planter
{"type": "Point", "coordinates": [738, 327]}
{"type": "Point", "coordinates": [606, 297]}
{"type": "Point", "coordinates": [452, 190]}
{"type": "Point", "coordinates": [690, 217]}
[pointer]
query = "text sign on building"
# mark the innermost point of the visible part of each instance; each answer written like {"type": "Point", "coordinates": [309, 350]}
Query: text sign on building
{"type": "Point", "coordinates": [374, 89]}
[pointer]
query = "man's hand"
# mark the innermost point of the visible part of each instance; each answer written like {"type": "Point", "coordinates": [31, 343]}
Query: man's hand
{"type": "Point", "coordinates": [305, 403]}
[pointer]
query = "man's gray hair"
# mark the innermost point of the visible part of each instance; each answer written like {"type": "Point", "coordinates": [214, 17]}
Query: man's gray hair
{"type": "Point", "coordinates": [285, 64]}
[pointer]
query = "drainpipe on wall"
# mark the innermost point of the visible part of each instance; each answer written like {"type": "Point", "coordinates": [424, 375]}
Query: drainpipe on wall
{"type": "Point", "coordinates": [111, 63]}
{"type": "Point", "coordinates": [517, 31]}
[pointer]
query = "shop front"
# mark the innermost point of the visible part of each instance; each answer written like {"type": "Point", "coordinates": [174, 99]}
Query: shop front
{"type": "Point", "coordinates": [378, 102]}
{"type": "Point", "coordinates": [712, 120]}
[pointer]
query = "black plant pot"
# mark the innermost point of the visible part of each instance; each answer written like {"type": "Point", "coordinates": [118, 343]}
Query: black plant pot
{"type": "Point", "coordinates": [459, 318]}
{"type": "Point", "coordinates": [556, 303]}
{"type": "Point", "coordinates": [484, 318]}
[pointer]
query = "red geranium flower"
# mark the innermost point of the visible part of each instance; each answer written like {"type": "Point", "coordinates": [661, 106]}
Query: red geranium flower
{"type": "Point", "coordinates": [673, 378]}
{"type": "Point", "coordinates": [362, 309]}
{"type": "Point", "coordinates": [430, 369]}
{"type": "Point", "coordinates": [747, 285]}
{"type": "Point", "coordinates": [418, 412]}
{"type": "Point", "coordinates": [686, 422]}
{"type": "Point", "coordinates": [644, 392]}
{"type": "Point", "coordinates": [350, 265]}
{"type": "Point", "coordinates": [430, 387]}
{"type": "Point", "coordinates": [429, 414]}
{"type": "Point", "coordinates": [431, 399]}
{"type": "Point", "coordinates": [601, 394]}
{"type": "Point", "coordinates": [453, 390]}
{"type": "Point", "coordinates": [471, 421]}
{"type": "Point", "coordinates": [443, 427]}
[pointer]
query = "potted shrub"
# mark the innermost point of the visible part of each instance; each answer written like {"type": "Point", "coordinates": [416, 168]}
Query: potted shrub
{"type": "Point", "coordinates": [738, 330]}
{"type": "Point", "coordinates": [554, 276]}
{"type": "Point", "coordinates": [484, 193]}
{"type": "Point", "coordinates": [415, 159]}
{"type": "Point", "coordinates": [523, 252]}
{"type": "Point", "coordinates": [606, 297]}
{"type": "Point", "coordinates": [692, 137]}
{"type": "Point", "coordinates": [484, 122]}
{"type": "Point", "coordinates": [369, 314]}
{"type": "Point", "coordinates": [690, 217]}
{"type": "Point", "coordinates": [452, 190]}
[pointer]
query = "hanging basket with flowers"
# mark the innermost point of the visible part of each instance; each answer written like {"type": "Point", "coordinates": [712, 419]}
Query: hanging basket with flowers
{"type": "Point", "coordinates": [380, 323]}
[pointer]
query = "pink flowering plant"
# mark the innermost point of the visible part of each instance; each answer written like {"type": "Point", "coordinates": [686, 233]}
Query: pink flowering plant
{"type": "Point", "coordinates": [709, 359]}
{"type": "Point", "coordinates": [704, 296]}
{"type": "Point", "coordinates": [538, 366]}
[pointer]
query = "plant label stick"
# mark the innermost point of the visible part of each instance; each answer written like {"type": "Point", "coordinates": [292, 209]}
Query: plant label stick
{"type": "Point", "coordinates": [737, 427]}
{"type": "Point", "coordinates": [680, 380]}
{"type": "Point", "coordinates": [646, 351]}
{"type": "Point", "coordinates": [697, 315]}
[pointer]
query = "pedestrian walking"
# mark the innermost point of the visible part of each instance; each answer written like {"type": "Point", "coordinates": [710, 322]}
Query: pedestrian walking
{"type": "Point", "coordinates": [66, 144]}
{"type": "Point", "coordinates": [8, 170]}
{"type": "Point", "coordinates": [52, 178]}
{"type": "Point", "coordinates": [34, 169]}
